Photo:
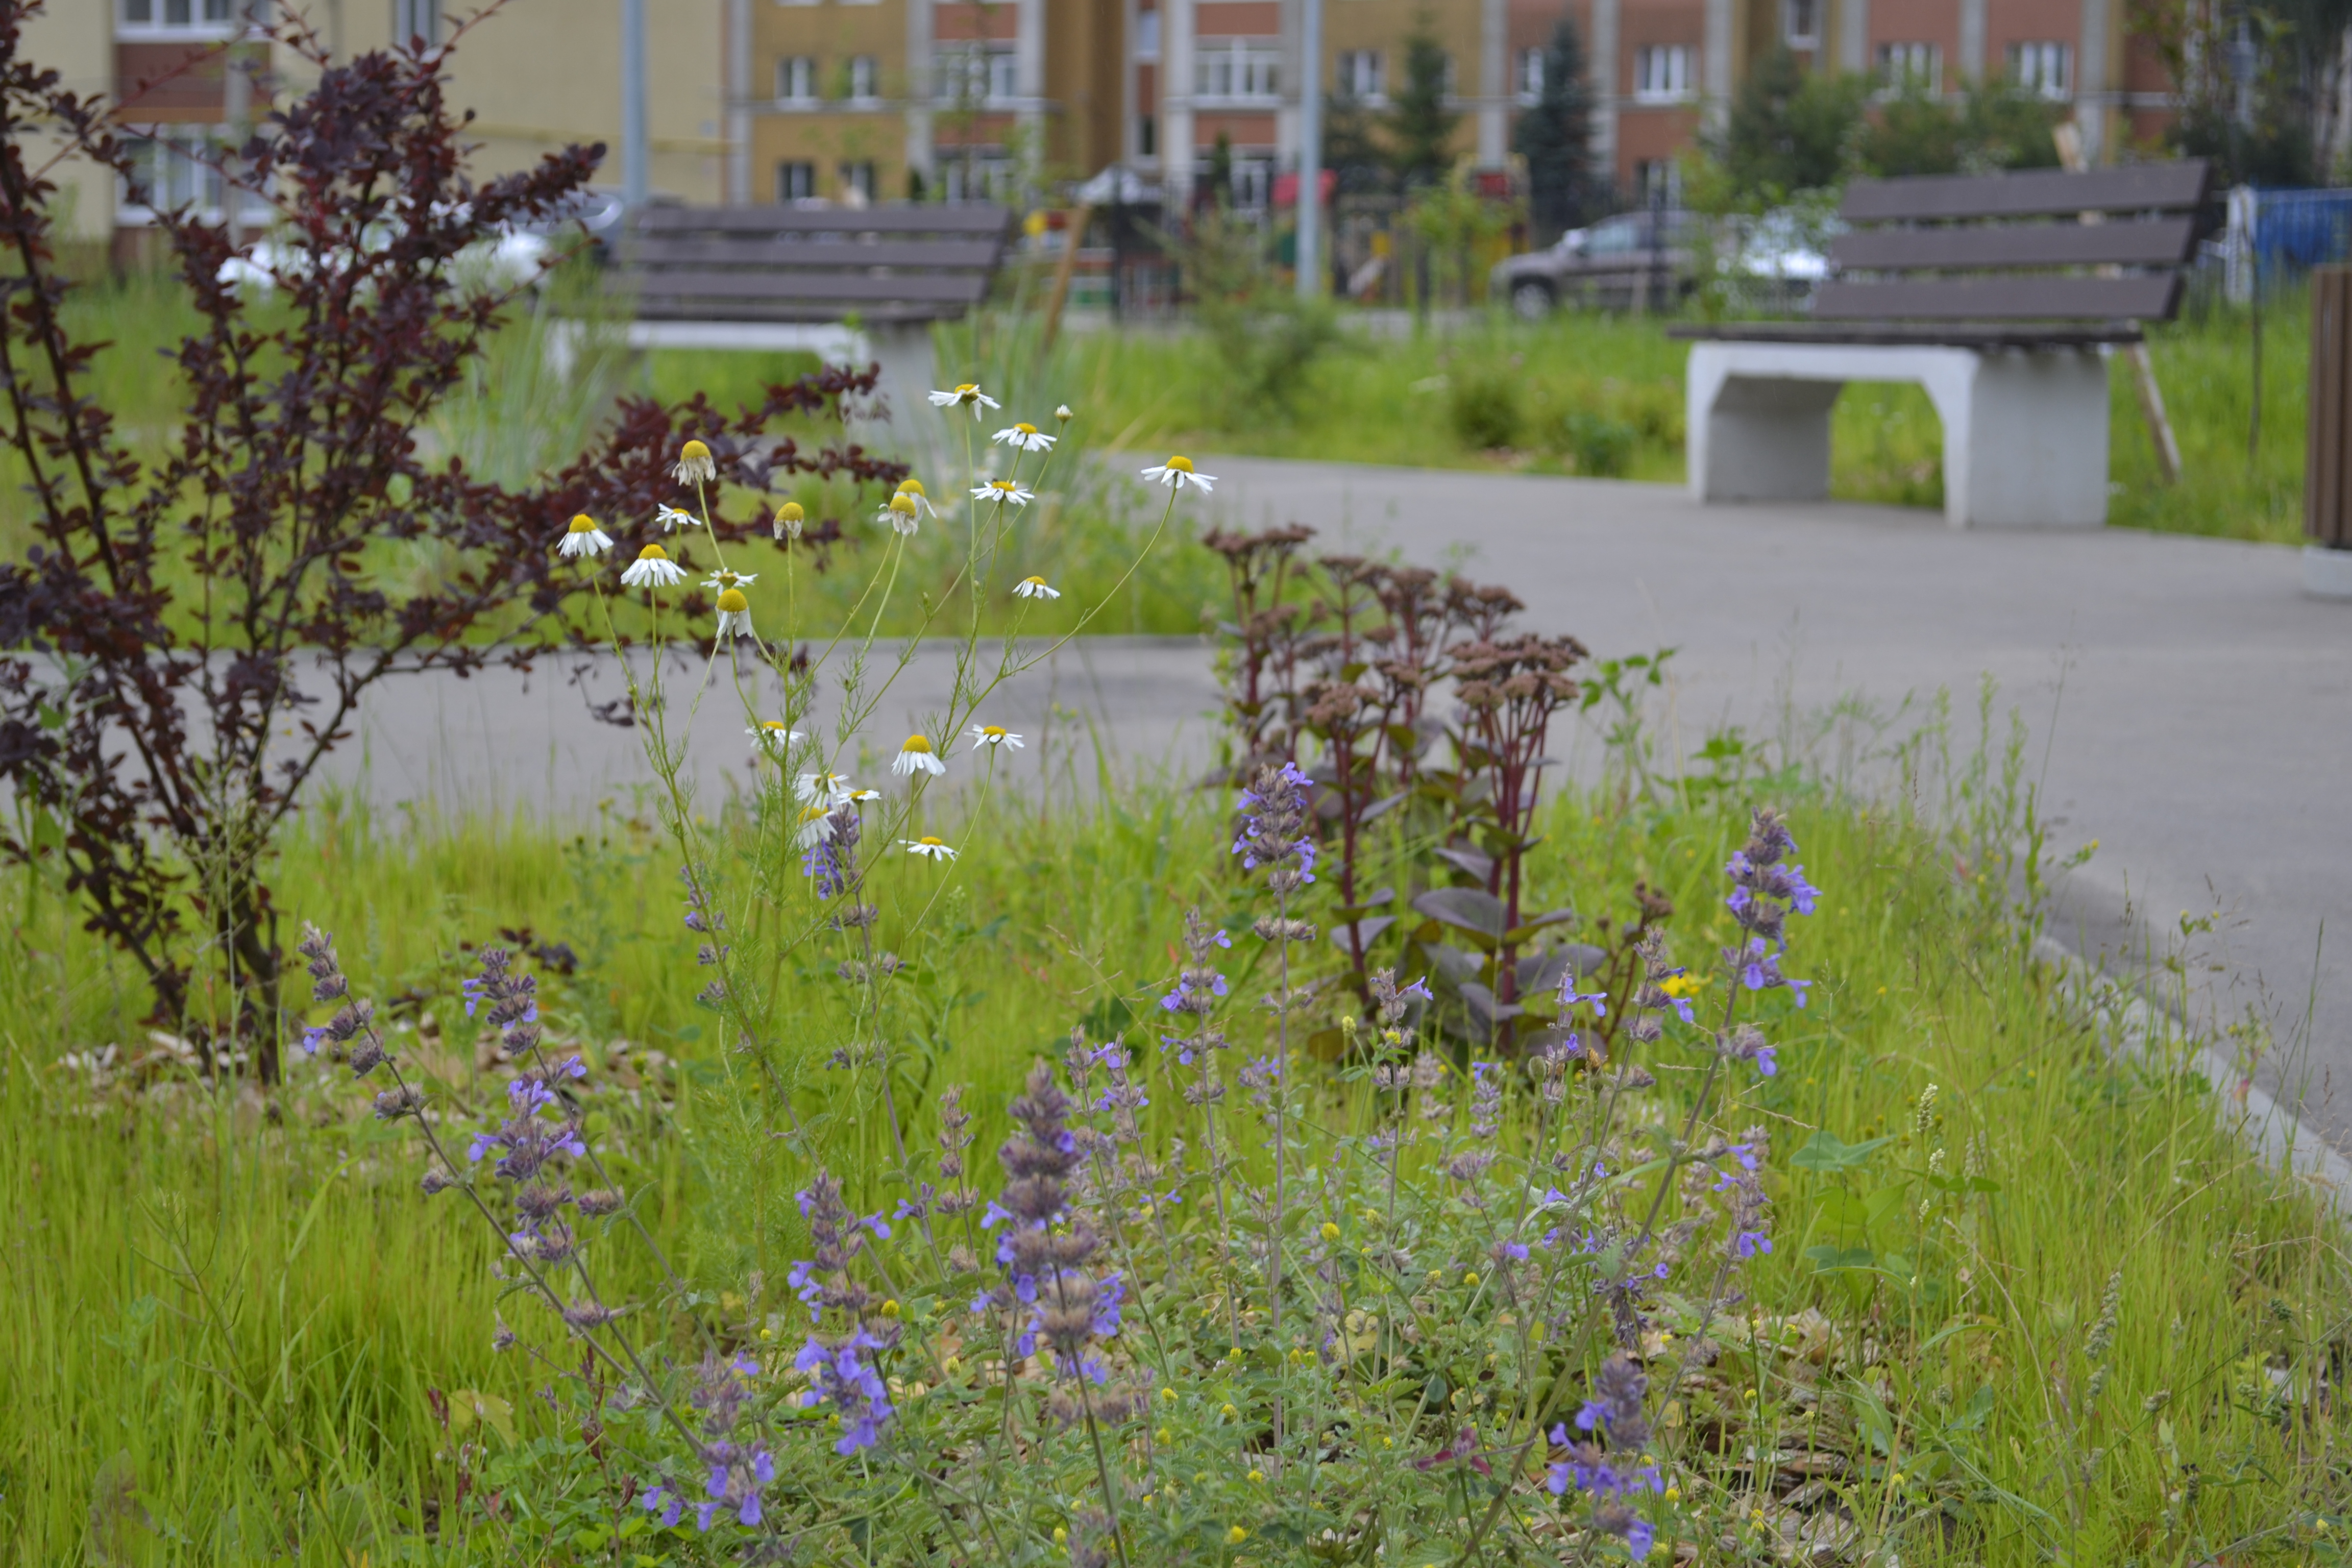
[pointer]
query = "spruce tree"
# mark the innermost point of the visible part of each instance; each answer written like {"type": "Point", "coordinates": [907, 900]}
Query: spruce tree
{"type": "Point", "coordinates": [1555, 136]}
{"type": "Point", "coordinates": [1420, 125]}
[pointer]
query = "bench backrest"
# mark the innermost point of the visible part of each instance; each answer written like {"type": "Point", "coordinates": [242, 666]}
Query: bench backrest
{"type": "Point", "coordinates": [2106, 245]}
{"type": "Point", "coordinates": [914, 263]}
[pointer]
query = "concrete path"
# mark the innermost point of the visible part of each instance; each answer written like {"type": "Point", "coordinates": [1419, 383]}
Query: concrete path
{"type": "Point", "coordinates": [2187, 708]}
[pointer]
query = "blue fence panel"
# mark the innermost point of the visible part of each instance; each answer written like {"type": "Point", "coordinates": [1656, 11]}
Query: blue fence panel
{"type": "Point", "coordinates": [2302, 228]}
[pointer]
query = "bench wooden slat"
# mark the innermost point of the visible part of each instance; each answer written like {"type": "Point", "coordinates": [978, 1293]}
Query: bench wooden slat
{"type": "Point", "coordinates": [980, 218]}
{"type": "Point", "coordinates": [2161, 242]}
{"type": "Point", "coordinates": [792, 314]}
{"type": "Point", "coordinates": [1914, 334]}
{"type": "Point", "coordinates": [848, 288]}
{"type": "Point", "coordinates": [2016, 299]}
{"type": "Point", "coordinates": [810, 255]}
{"type": "Point", "coordinates": [2038, 193]}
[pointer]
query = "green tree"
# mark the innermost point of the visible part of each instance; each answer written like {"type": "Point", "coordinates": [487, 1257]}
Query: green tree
{"type": "Point", "coordinates": [1221, 170]}
{"type": "Point", "coordinates": [1351, 147]}
{"type": "Point", "coordinates": [1555, 137]}
{"type": "Point", "coordinates": [1995, 125]}
{"type": "Point", "coordinates": [1789, 130]}
{"type": "Point", "coordinates": [1420, 125]}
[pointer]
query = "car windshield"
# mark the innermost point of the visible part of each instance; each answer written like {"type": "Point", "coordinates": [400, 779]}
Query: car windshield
{"type": "Point", "coordinates": [1615, 236]}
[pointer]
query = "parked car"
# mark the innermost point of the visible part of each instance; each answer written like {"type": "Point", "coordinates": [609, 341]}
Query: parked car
{"type": "Point", "coordinates": [1612, 263]}
{"type": "Point", "coordinates": [1655, 257]}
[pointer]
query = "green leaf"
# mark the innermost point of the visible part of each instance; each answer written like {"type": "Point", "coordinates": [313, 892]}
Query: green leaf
{"type": "Point", "coordinates": [1832, 1259]}
{"type": "Point", "coordinates": [1828, 1152]}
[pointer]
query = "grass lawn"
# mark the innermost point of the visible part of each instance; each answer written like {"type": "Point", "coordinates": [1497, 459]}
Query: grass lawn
{"type": "Point", "coordinates": [1594, 392]}
{"type": "Point", "coordinates": [2028, 1302]}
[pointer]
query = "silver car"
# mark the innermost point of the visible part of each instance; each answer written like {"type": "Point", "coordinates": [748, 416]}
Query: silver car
{"type": "Point", "coordinates": [1643, 256]}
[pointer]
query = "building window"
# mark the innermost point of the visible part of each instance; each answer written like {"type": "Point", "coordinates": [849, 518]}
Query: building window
{"type": "Point", "coordinates": [1147, 35]}
{"type": "Point", "coordinates": [795, 182]}
{"type": "Point", "coordinates": [1803, 23]}
{"type": "Point", "coordinates": [1526, 75]}
{"type": "Point", "coordinates": [796, 80]}
{"type": "Point", "coordinates": [858, 182]}
{"type": "Point", "coordinates": [991, 176]}
{"type": "Point", "coordinates": [415, 19]}
{"type": "Point", "coordinates": [1253, 183]}
{"type": "Point", "coordinates": [1911, 68]}
{"type": "Point", "coordinates": [1360, 75]}
{"type": "Point", "coordinates": [2042, 68]}
{"type": "Point", "coordinates": [980, 74]}
{"type": "Point", "coordinates": [1662, 73]}
{"type": "Point", "coordinates": [178, 19]}
{"type": "Point", "coordinates": [171, 170]}
{"type": "Point", "coordinates": [864, 78]}
{"type": "Point", "coordinates": [1240, 70]}
{"type": "Point", "coordinates": [1147, 136]}
{"type": "Point", "coordinates": [1658, 181]}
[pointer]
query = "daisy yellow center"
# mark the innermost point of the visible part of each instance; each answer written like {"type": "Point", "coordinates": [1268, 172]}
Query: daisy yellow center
{"type": "Point", "coordinates": [811, 813]}
{"type": "Point", "coordinates": [583, 523]}
{"type": "Point", "coordinates": [790, 512]}
{"type": "Point", "coordinates": [733, 603]}
{"type": "Point", "coordinates": [1182, 465]}
{"type": "Point", "coordinates": [773, 724]}
{"type": "Point", "coordinates": [993, 732]}
{"type": "Point", "coordinates": [653, 553]}
{"type": "Point", "coordinates": [902, 502]}
{"type": "Point", "coordinates": [965, 389]}
{"type": "Point", "coordinates": [1007, 485]}
{"type": "Point", "coordinates": [928, 842]}
{"type": "Point", "coordinates": [1039, 580]}
{"type": "Point", "coordinates": [917, 743]}
{"type": "Point", "coordinates": [694, 449]}
{"type": "Point", "coordinates": [911, 488]}
{"type": "Point", "coordinates": [1026, 429]}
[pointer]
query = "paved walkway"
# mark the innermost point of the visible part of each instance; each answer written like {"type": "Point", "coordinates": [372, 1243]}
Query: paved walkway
{"type": "Point", "coordinates": [2187, 708]}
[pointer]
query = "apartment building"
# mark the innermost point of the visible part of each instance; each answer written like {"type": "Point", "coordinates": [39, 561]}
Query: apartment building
{"type": "Point", "coordinates": [538, 74]}
{"type": "Point", "coordinates": [877, 98]}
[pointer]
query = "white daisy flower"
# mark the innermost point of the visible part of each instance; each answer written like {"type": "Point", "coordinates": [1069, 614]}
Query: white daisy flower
{"type": "Point", "coordinates": [904, 513]}
{"type": "Point", "coordinates": [1034, 588]}
{"type": "Point", "coordinates": [790, 516]}
{"type": "Point", "coordinates": [1064, 414]}
{"type": "Point", "coordinates": [584, 538]}
{"type": "Point", "coordinates": [734, 614]}
{"type": "Point", "coordinates": [653, 568]}
{"type": "Point", "coordinates": [694, 464]}
{"type": "Point", "coordinates": [773, 733]}
{"type": "Point", "coordinates": [1025, 437]}
{"type": "Point", "coordinates": [724, 579]}
{"type": "Point", "coordinates": [859, 797]}
{"type": "Point", "coordinates": [670, 516]}
{"type": "Point", "coordinates": [827, 790]}
{"type": "Point", "coordinates": [968, 393]}
{"type": "Point", "coordinates": [1002, 491]}
{"type": "Point", "coordinates": [994, 735]}
{"type": "Point", "coordinates": [913, 491]}
{"type": "Point", "coordinates": [815, 822]}
{"type": "Point", "coordinates": [917, 756]}
{"type": "Point", "coordinates": [1178, 472]}
{"type": "Point", "coordinates": [935, 849]}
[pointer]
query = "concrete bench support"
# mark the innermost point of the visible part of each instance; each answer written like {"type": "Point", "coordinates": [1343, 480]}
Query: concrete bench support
{"type": "Point", "coordinates": [2025, 431]}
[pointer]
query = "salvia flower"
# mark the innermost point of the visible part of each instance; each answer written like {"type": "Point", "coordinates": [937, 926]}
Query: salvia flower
{"type": "Point", "coordinates": [583, 538]}
{"type": "Point", "coordinates": [354, 1024]}
{"type": "Point", "coordinates": [1034, 588]}
{"type": "Point", "coordinates": [1610, 1475]}
{"type": "Point", "coordinates": [829, 842]}
{"type": "Point", "coordinates": [653, 568]}
{"type": "Point", "coordinates": [1272, 832]}
{"type": "Point", "coordinates": [1178, 472]}
{"type": "Point", "coordinates": [694, 465]}
{"type": "Point", "coordinates": [915, 756]}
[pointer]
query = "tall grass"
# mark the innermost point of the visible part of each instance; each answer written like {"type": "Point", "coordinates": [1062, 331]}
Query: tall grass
{"type": "Point", "coordinates": [219, 1322]}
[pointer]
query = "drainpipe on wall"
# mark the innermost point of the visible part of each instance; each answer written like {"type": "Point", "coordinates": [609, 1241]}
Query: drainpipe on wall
{"type": "Point", "coordinates": [636, 176]}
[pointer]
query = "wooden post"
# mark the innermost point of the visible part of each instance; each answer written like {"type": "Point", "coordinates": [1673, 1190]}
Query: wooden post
{"type": "Point", "coordinates": [2068, 139]}
{"type": "Point", "coordinates": [2327, 452]}
{"type": "Point", "coordinates": [1073, 236]}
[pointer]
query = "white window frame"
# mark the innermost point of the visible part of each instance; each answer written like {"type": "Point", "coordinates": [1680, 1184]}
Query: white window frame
{"type": "Point", "coordinates": [2044, 66]}
{"type": "Point", "coordinates": [865, 79]}
{"type": "Point", "coordinates": [1903, 63]}
{"type": "Point", "coordinates": [1238, 71]}
{"type": "Point", "coordinates": [1801, 22]}
{"type": "Point", "coordinates": [785, 195]}
{"type": "Point", "coordinates": [796, 81]}
{"type": "Point", "coordinates": [1659, 175]}
{"type": "Point", "coordinates": [998, 66]}
{"type": "Point", "coordinates": [1528, 77]}
{"type": "Point", "coordinates": [857, 174]}
{"type": "Point", "coordinates": [1664, 73]}
{"type": "Point", "coordinates": [1147, 34]}
{"type": "Point", "coordinates": [1253, 183]}
{"type": "Point", "coordinates": [1362, 74]}
{"type": "Point", "coordinates": [154, 29]}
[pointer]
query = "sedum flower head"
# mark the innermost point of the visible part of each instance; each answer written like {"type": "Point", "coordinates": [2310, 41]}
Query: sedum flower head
{"type": "Point", "coordinates": [653, 568]}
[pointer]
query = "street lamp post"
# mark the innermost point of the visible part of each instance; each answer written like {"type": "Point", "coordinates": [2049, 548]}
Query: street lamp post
{"type": "Point", "coordinates": [1311, 150]}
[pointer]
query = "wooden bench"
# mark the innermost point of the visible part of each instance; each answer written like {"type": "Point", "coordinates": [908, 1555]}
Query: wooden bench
{"type": "Point", "coordinates": [2001, 294]}
{"type": "Point", "coordinates": [853, 284]}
